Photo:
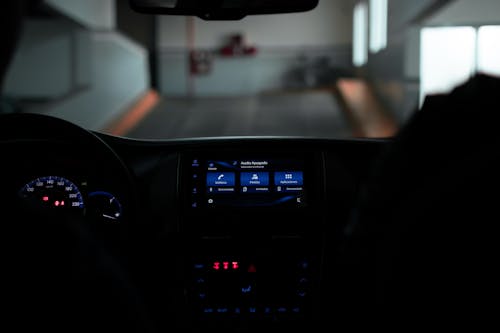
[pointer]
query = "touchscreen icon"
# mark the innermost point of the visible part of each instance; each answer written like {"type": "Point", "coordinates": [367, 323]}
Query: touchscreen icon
{"type": "Point", "coordinates": [254, 179]}
{"type": "Point", "coordinates": [289, 178]}
{"type": "Point", "coordinates": [218, 179]}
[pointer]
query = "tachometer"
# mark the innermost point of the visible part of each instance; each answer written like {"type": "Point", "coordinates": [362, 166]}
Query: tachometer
{"type": "Point", "coordinates": [53, 192]}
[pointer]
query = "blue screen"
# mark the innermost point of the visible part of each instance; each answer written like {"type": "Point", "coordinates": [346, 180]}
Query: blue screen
{"type": "Point", "coordinates": [252, 182]}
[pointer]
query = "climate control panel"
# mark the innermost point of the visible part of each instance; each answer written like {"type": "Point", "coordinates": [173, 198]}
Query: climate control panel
{"type": "Point", "coordinates": [263, 287]}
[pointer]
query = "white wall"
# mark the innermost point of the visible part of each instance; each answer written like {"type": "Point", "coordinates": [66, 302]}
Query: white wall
{"type": "Point", "coordinates": [395, 71]}
{"type": "Point", "coordinates": [402, 12]}
{"type": "Point", "coordinates": [460, 12]}
{"type": "Point", "coordinates": [451, 52]}
{"type": "Point", "coordinates": [325, 26]}
{"type": "Point", "coordinates": [282, 40]}
{"type": "Point", "coordinates": [119, 75]}
{"type": "Point", "coordinates": [447, 58]}
{"type": "Point", "coordinates": [412, 54]}
{"type": "Point", "coordinates": [94, 14]}
{"type": "Point", "coordinates": [50, 60]}
{"type": "Point", "coordinates": [467, 12]}
{"type": "Point", "coordinates": [328, 24]}
{"type": "Point", "coordinates": [84, 76]}
{"type": "Point", "coordinates": [171, 32]}
{"type": "Point", "coordinates": [488, 54]}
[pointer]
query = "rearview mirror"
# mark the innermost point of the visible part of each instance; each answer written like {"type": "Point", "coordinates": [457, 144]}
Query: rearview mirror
{"type": "Point", "coordinates": [221, 9]}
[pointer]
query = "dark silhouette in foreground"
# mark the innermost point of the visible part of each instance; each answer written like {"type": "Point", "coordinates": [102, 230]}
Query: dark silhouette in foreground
{"type": "Point", "coordinates": [424, 237]}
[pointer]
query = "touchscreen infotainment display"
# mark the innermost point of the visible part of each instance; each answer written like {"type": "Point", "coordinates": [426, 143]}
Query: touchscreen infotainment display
{"type": "Point", "coordinates": [247, 182]}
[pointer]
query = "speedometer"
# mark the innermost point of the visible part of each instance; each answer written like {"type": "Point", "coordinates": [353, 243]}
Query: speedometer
{"type": "Point", "coordinates": [53, 192]}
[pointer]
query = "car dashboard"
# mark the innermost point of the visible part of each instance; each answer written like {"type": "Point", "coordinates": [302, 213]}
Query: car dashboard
{"type": "Point", "coordinates": [214, 232]}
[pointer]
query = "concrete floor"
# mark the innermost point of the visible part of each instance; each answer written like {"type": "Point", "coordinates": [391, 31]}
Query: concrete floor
{"type": "Point", "coordinates": [307, 114]}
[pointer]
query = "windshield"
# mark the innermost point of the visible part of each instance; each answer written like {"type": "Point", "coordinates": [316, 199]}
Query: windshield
{"type": "Point", "coordinates": [347, 69]}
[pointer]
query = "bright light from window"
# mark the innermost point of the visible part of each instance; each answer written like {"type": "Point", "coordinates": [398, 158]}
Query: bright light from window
{"type": "Point", "coordinates": [447, 58]}
{"type": "Point", "coordinates": [360, 32]}
{"type": "Point", "coordinates": [378, 25]}
{"type": "Point", "coordinates": [488, 53]}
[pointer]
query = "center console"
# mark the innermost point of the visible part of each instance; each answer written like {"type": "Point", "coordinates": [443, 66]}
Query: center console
{"type": "Point", "coordinates": [253, 226]}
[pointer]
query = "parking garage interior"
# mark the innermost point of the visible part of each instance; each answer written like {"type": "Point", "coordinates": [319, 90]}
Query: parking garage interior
{"type": "Point", "coordinates": [348, 69]}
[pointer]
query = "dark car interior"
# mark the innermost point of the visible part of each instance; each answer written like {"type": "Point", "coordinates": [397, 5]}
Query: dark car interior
{"type": "Point", "coordinates": [198, 258]}
{"type": "Point", "coordinates": [248, 233]}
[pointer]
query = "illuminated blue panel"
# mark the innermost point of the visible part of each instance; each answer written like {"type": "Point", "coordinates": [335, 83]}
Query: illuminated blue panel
{"type": "Point", "coordinates": [254, 179]}
{"type": "Point", "coordinates": [220, 179]}
{"type": "Point", "coordinates": [295, 178]}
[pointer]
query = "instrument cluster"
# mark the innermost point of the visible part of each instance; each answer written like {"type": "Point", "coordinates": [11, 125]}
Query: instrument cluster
{"type": "Point", "coordinates": [60, 193]}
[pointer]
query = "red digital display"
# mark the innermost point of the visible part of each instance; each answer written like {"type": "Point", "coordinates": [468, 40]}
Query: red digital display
{"type": "Point", "coordinates": [225, 265]}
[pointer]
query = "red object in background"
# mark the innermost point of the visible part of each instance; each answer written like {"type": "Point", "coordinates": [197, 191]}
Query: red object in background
{"type": "Point", "coordinates": [237, 47]}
